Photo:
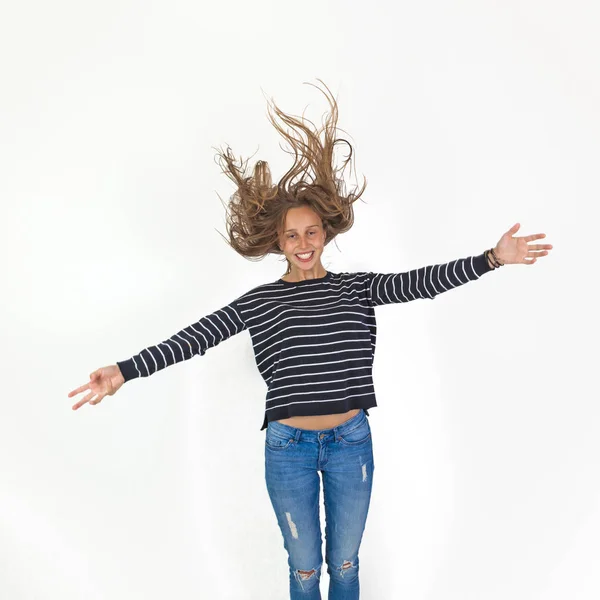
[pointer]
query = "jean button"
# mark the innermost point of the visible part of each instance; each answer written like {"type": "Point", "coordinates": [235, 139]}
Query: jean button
{"type": "Point", "coordinates": [322, 436]}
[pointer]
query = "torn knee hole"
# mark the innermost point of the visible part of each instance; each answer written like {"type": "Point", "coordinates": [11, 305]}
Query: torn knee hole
{"type": "Point", "coordinates": [307, 574]}
{"type": "Point", "coordinates": [347, 564]}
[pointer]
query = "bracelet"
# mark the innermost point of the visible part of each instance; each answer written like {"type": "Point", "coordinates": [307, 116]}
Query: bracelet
{"type": "Point", "coordinates": [500, 264]}
{"type": "Point", "coordinates": [493, 259]}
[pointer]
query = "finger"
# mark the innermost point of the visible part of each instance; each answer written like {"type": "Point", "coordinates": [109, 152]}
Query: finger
{"type": "Point", "coordinates": [78, 405]}
{"type": "Point", "coordinates": [541, 247]}
{"type": "Point", "coordinates": [535, 255]}
{"type": "Point", "coordinates": [83, 401]}
{"type": "Point", "coordinates": [535, 236]}
{"type": "Point", "coordinates": [79, 389]}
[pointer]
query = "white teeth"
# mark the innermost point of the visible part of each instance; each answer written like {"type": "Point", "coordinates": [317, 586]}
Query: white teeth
{"type": "Point", "coordinates": [304, 255]}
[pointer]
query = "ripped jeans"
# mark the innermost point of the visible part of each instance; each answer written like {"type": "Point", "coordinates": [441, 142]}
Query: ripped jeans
{"type": "Point", "coordinates": [293, 459]}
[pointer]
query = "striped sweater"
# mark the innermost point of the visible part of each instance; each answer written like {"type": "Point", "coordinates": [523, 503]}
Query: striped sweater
{"type": "Point", "coordinates": [313, 340]}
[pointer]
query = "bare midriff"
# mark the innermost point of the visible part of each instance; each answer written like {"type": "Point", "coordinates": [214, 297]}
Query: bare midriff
{"type": "Point", "coordinates": [318, 422]}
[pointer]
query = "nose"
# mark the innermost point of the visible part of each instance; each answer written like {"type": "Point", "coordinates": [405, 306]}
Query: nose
{"type": "Point", "coordinates": [306, 238]}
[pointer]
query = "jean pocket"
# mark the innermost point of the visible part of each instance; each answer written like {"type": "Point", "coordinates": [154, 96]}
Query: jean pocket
{"type": "Point", "coordinates": [276, 442]}
{"type": "Point", "coordinates": [358, 435]}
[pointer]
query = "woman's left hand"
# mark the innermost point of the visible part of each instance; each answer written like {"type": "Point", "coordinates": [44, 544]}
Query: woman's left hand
{"type": "Point", "coordinates": [516, 250]}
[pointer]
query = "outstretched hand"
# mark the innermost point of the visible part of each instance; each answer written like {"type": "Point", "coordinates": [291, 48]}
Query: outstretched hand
{"type": "Point", "coordinates": [516, 250]}
{"type": "Point", "coordinates": [105, 381]}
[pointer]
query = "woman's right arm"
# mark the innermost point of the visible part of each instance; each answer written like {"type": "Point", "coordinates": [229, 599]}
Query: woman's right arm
{"type": "Point", "coordinates": [193, 340]}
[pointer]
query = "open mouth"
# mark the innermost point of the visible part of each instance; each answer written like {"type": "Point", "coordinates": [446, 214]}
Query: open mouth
{"type": "Point", "coordinates": [305, 257]}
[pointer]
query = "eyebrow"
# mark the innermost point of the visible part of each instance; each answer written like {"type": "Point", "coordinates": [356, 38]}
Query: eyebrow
{"type": "Point", "coordinates": [315, 225]}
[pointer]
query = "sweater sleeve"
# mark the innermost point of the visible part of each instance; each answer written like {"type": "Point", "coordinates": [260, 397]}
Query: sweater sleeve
{"type": "Point", "coordinates": [192, 340]}
{"type": "Point", "coordinates": [425, 282]}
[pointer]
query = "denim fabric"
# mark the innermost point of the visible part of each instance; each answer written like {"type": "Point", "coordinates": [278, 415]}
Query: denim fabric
{"type": "Point", "coordinates": [293, 459]}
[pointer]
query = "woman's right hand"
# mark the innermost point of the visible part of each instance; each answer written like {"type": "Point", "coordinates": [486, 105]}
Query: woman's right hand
{"type": "Point", "coordinates": [105, 381]}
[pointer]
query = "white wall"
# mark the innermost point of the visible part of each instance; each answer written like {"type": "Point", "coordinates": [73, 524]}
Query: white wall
{"type": "Point", "coordinates": [466, 117]}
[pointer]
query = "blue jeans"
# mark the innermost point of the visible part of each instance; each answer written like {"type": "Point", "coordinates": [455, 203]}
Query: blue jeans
{"type": "Point", "coordinates": [293, 459]}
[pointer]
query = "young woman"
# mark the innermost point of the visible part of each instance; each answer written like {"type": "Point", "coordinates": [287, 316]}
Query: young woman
{"type": "Point", "coordinates": [313, 333]}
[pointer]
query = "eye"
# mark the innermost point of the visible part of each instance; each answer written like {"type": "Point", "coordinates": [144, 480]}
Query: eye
{"type": "Point", "coordinates": [292, 234]}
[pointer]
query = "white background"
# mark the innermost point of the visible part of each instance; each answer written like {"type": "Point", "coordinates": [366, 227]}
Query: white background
{"type": "Point", "coordinates": [466, 117]}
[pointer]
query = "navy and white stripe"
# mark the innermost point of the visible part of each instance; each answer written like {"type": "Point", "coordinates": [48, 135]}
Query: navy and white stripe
{"type": "Point", "coordinates": [313, 340]}
{"type": "Point", "coordinates": [425, 282]}
{"type": "Point", "coordinates": [193, 340]}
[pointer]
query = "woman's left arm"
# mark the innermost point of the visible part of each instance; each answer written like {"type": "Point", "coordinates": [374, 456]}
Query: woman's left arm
{"type": "Point", "coordinates": [430, 281]}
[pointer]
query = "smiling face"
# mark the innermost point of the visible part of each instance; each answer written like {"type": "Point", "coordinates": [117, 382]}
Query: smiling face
{"type": "Point", "coordinates": [303, 232]}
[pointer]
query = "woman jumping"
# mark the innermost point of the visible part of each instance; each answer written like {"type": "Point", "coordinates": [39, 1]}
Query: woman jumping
{"type": "Point", "coordinates": [313, 334]}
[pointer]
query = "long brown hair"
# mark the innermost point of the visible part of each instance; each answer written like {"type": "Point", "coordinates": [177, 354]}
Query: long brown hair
{"type": "Point", "coordinates": [257, 209]}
